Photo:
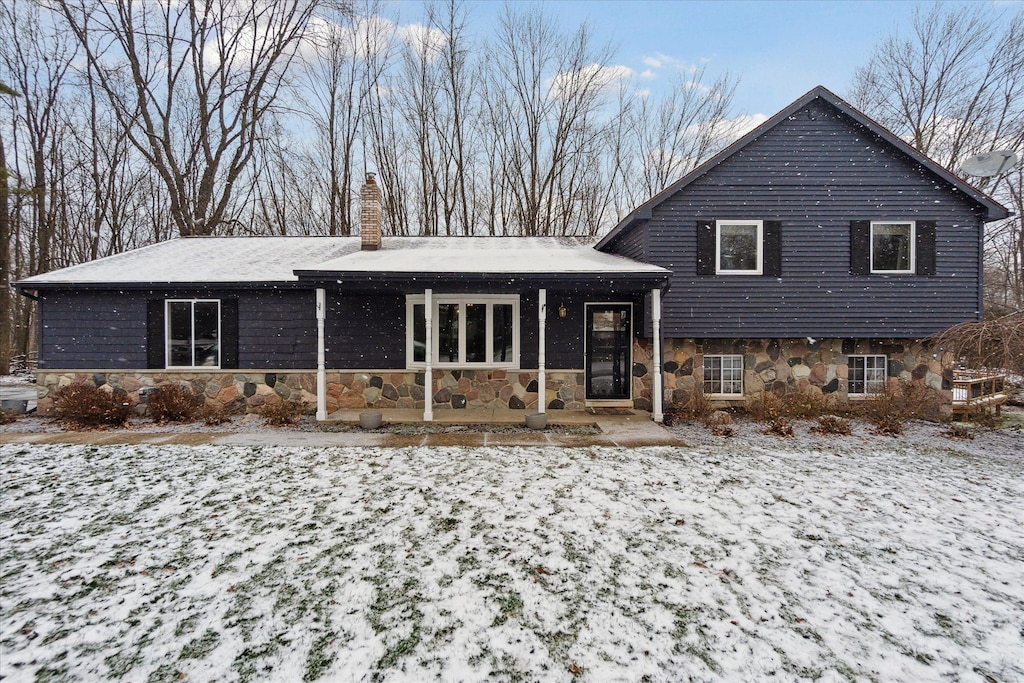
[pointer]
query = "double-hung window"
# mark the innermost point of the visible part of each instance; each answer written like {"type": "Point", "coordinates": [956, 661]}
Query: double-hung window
{"type": "Point", "coordinates": [192, 328]}
{"type": "Point", "coordinates": [469, 331]}
{"type": "Point", "coordinates": [892, 247]}
{"type": "Point", "coordinates": [867, 374]}
{"type": "Point", "coordinates": [723, 375]}
{"type": "Point", "coordinates": [739, 247]}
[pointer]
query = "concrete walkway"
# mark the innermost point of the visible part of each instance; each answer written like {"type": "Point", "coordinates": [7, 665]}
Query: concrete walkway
{"type": "Point", "coordinates": [632, 430]}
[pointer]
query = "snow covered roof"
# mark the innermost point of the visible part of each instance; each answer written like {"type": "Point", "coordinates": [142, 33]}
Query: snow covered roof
{"type": "Point", "coordinates": [204, 259]}
{"type": "Point", "coordinates": [239, 260]}
{"type": "Point", "coordinates": [485, 255]}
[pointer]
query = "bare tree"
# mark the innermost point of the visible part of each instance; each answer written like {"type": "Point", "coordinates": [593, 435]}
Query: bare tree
{"type": "Point", "coordinates": [6, 319]}
{"type": "Point", "coordinates": [190, 82]}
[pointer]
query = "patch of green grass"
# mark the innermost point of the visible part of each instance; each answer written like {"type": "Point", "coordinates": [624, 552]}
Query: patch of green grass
{"type": "Point", "coordinates": [165, 673]}
{"type": "Point", "coordinates": [201, 646]}
{"type": "Point", "coordinates": [186, 625]}
{"type": "Point", "coordinates": [319, 659]}
{"type": "Point", "coordinates": [510, 605]}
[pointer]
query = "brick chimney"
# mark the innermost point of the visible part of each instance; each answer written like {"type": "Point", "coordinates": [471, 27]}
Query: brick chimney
{"type": "Point", "coordinates": [371, 216]}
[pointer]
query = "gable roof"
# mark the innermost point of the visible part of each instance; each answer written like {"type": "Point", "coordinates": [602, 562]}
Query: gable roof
{"type": "Point", "coordinates": [995, 210]}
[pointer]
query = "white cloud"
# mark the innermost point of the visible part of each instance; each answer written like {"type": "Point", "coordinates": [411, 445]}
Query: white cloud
{"type": "Point", "coordinates": [425, 41]}
{"type": "Point", "coordinates": [647, 74]}
{"type": "Point", "coordinates": [593, 77]}
{"type": "Point", "coordinates": [660, 61]}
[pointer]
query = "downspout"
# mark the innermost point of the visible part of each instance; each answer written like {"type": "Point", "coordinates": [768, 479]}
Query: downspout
{"type": "Point", "coordinates": [542, 315]}
{"type": "Point", "coordinates": [321, 356]}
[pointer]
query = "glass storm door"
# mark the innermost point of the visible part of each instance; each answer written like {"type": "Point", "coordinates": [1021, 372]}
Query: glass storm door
{"type": "Point", "coordinates": [609, 351]}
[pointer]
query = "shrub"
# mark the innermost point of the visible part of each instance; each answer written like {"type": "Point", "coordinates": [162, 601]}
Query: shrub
{"type": "Point", "coordinates": [172, 403]}
{"type": "Point", "coordinates": [697, 407]}
{"type": "Point", "coordinates": [283, 414]}
{"type": "Point", "coordinates": [908, 401]}
{"type": "Point", "coordinates": [958, 432]}
{"type": "Point", "coordinates": [888, 425]}
{"type": "Point", "coordinates": [779, 426]}
{"type": "Point", "coordinates": [832, 424]}
{"type": "Point", "coordinates": [7, 417]}
{"type": "Point", "coordinates": [796, 405]}
{"type": "Point", "coordinates": [211, 416]}
{"type": "Point", "coordinates": [83, 405]}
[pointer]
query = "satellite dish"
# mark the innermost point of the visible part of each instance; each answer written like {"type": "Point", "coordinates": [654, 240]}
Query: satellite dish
{"type": "Point", "coordinates": [989, 164]}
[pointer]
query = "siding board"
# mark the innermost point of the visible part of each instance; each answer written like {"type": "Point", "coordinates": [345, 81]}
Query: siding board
{"type": "Point", "coordinates": [815, 173]}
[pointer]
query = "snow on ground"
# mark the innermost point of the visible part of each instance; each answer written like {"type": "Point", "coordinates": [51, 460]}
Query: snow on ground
{"type": "Point", "coordinates": [743, 559]}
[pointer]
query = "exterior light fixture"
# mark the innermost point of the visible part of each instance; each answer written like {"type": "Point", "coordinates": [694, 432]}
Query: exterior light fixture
{"type": "Point", "coordinates": [561, 310]}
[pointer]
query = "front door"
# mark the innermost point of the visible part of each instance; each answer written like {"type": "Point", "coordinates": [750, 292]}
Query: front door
{"type": "Point", "coordinates": [609, 351]}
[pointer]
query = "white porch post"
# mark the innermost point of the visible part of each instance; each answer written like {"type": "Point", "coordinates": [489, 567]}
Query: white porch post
{"type": "Point", "coordinates": [428, 371]}
{"type": "Point", "coordinates": [658, 390]}
{"type": "Point", "coordinates": [542, 316]}
{"type": "Point", "coordinates": [321, 358]}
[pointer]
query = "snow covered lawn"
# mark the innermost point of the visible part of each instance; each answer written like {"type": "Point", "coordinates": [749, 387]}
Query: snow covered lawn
{"type": "Point", "coordinates": [740, 559]}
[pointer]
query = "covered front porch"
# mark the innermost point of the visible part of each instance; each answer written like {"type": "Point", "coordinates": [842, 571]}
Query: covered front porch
{"type": "Point", "coordinates": [552, 327]}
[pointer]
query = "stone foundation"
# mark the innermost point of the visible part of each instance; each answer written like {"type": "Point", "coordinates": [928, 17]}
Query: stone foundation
{"type": "Point", "coordinates": [248, 392]}
{"type": "Point", "coordinates": [783, 365]}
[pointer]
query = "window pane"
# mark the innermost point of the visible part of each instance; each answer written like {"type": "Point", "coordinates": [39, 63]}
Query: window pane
{"type": "Point", "coordinates": [207, 324]}
{"type": "Point", "coordinates": [419, 333]}
{"type": "Point", "coordinates": [732, 375]}
{"type": "Point", "coordinates": [856, 367]}
{"type": "Point", "coordinates": [179, 329]}
{"type": "Point", "coordinates": [502, 341]}
{"type": "Point", "coordinates": [712, 374]}
{"type": "Point", "coordinates": [738, 247]}
{"type": "Point", "coordinates": [476, 333]}
{"type": "Point", "coordinates": [448, 333]}
{"type": "Point", "coordinates": [890, 246]}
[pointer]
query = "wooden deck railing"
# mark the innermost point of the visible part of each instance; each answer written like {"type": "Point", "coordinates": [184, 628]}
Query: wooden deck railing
{"type": "Point", "coordinates": [976, 389]}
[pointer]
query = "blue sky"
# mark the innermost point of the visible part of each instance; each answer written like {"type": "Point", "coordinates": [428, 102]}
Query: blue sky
{"type": "Point", "coordinates": [779, 49]}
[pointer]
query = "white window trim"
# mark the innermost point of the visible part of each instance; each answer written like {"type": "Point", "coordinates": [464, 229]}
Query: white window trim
{"type": "Point", "coordinates": [719, 394]}
{"type": "Point", "coordinates": [718, 247]}
{"type": "Point", "coordinates": [192, 334]}
{"type": "Point", "coordinates": [885, 371]}
{"type": "Point", "coordinates": [412, 300]}
{"type": "Point", "coordinates": [913, 247]}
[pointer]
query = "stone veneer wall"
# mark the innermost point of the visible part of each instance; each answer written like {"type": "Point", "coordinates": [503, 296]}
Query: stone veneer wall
{"type": "Point", "coordinates": [239, 392]}
{"type": "Point", "coordinates": [782, 365]}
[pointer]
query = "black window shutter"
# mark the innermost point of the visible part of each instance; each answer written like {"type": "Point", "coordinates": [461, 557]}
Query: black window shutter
{"type": "Point", "coordinates": [229, 333]}
{"type": "Point", "coordinates": [925, 248]}
{"type": "Point", "coordinates": [771, 250]}
{"type": "Point", "coordinates": [860, 247]}
{"type": "Point", "coordinates": [705, 247]}
{"type": "Point", "coordinates": [155, 359]}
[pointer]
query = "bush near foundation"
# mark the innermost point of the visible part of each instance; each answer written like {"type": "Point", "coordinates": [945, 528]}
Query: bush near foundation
{"type": "Point", "coordinates": [282, 414]}
{"type": "Point", "coordinates": [172, 403]}
{"type": "Point", "coordinates": [793, 405]}
{"type": "Point", "coordinates": [888, 411]}
{"type": "Point", "coordinates": [694, 409]}
{"type": "Point", "coordinates": [84, 405]}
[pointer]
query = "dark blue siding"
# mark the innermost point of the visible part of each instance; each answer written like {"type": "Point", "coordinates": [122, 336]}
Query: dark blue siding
{"type": "Point", "coordinates": [107, 329]}
{"type": "Point", "coordinates": [815, 172]}
{"type": "Point", "coordinates": [92, 330]}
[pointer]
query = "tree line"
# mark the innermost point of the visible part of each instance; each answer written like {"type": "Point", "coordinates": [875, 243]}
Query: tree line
{"type": "Point", "coordinates": [124, 123]}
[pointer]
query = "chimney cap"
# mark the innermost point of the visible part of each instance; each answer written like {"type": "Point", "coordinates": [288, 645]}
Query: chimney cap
{"type": "Point", "coordinates": [370, 175]}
